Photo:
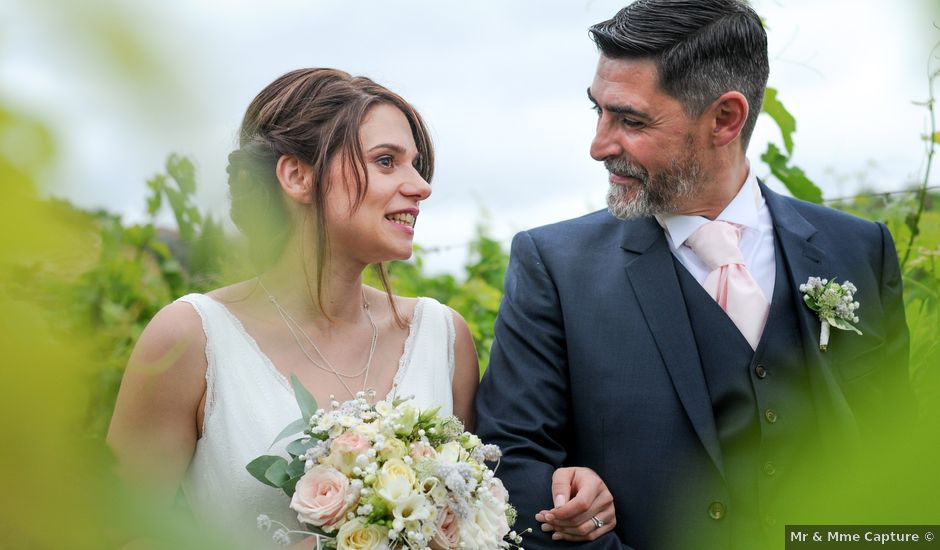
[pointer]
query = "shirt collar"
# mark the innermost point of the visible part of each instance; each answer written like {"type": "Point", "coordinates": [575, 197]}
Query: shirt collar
{"type": "Point", "coordinates": [742, 210]}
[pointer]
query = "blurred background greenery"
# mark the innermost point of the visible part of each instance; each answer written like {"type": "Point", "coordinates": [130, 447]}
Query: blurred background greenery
{"type": "Point", "coordinates": [78, 286]}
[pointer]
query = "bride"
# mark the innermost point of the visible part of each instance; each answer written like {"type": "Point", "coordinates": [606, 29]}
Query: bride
{"type": "Point", "coordinates": [328, 180]}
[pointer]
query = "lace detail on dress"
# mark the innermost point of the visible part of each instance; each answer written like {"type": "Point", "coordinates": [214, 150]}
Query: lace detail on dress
{"type": "Point", "coordinates": [406, 353]}
{"type": "Point", "coordinates": [451, 342]}
{"type": "Point", "coordinates": [254, 345]}
{"type": "Point", "coordinates": [426, 371]}
{"type": "Point", "coordinates": [194, 301]}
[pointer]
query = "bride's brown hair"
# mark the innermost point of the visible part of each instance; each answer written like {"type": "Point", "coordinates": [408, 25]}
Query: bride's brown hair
{"type": "Point", "coordinates": [313, 115]}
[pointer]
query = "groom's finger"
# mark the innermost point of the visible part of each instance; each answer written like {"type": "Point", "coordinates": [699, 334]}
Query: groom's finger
{"type": "Point", "coordinates": [578, 508]}
{"type": "Point", "coordinates": [587, 531]}
{"type": "Point", "coordinates": [562, 481]}
{"type": "Point", "coordinates": [591, 498]}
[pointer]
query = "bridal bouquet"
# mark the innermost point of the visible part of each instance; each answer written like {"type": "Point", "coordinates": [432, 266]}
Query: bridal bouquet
{"type": "Point", "coordinates": [383, 475]}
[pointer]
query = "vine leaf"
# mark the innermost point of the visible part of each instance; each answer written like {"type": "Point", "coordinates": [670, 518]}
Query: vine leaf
{"type": "Point", "coordinates": [793, 177]}
{"type": "Point", "coordinates": [783, 118]}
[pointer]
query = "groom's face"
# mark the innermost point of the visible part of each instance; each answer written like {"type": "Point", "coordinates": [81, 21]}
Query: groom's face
{"type": "Point", "coordinates": [645, 139]}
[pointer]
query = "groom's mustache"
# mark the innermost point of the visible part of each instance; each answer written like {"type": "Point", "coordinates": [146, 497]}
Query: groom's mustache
{"type": "Point", "coordinates": [625, 168]}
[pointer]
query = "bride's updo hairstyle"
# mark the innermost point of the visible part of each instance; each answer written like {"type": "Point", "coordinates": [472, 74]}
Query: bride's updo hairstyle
{"type": "Point", "coordinates": [313, 115]}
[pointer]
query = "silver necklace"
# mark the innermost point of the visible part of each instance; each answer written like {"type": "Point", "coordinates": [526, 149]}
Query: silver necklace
{"type": "Point", "coordinates": [328, 367]}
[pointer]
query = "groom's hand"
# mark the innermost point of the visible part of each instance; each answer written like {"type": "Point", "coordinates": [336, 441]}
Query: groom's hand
{"type": "Point", "coordinates": [580, 495]}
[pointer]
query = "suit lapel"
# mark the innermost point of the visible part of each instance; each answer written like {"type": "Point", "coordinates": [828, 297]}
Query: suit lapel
{"type": "Point", "coordinates": [652, 274]}
{"type": "Point", "coordinates": [804, 258]}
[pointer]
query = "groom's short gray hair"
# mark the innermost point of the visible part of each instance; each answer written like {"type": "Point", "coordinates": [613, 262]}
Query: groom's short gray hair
{"type": "Point", "coordinates": [702, 49]}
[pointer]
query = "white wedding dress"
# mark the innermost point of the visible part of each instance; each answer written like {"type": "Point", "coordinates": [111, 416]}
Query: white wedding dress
{"type": "Point", "coordinates": [249, 402]}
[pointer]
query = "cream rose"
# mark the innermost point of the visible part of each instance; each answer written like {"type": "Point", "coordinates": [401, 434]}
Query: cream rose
{"type": "Point", "coordinates": [394, 448]}
{"type": "Point", "coordinates": [322, 497]}
{"type": "Point", "coordinates": [394, 468]}
{"type": "Point", "coordinates": [446, 530]}
{"type": "Point", "coordinates": [345, 448]}
{"type": "Point", "coordinates": [358, 535]}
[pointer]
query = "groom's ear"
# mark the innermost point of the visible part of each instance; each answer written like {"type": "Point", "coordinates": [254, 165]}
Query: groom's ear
{"type": "Point", "coordinates": [729, 113]}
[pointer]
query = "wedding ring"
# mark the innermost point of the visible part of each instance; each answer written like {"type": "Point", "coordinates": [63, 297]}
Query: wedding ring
{"type": "Point", "coordinates": [598, 522]}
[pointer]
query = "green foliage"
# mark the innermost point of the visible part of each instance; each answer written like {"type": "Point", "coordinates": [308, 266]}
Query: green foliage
{"type": "Point", "coordinates": [921, 277]}
{"type": "Point", "coordinates": [130, 272]}
{"type": "Point", "coordinates": [785, 121]}
{"type": "Point", "coordinates": [305, 400]}
{"type": "Point", "coordinates": [793, 177]}
{"type": "Point", "coordinates": [476, 298]}
{"type": "Point", "coordinates": [796, 182]}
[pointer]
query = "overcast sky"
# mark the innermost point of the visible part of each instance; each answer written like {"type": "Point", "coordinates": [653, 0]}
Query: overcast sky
{"type": "Point", "coordinates": [501, 84]}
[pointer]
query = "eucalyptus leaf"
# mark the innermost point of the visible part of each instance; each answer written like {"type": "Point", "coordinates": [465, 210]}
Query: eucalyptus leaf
{"type": "Point", "coordinates": [290, 485]}
{"type": "Point", "coordinates": [299, 446]}
{"type": "Point", "coordinates": [305, 400]}
{"type": "Point", "coordinates": [276, 473]}
{"type": "Point", "coordinates": [296, 467]}
{"type": "Point", "coordinates": [295, 427]}
{"type": "Point", "coordinates": [260, 465]}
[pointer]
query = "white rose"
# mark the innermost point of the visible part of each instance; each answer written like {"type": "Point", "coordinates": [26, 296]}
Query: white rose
{"type": "Point", "coordinates": [395, 490]}
{"type": "Point", "coordinates": [449, 452]}
{"type": "Point", "coordinates": [485, 528]}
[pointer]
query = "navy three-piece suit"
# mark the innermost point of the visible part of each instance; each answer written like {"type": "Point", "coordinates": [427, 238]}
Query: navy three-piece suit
{"type": "Point", "coordinates": [608, 354]}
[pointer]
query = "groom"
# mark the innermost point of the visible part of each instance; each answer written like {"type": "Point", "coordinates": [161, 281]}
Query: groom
{"type": "Point", "coordinates": [664, 341]}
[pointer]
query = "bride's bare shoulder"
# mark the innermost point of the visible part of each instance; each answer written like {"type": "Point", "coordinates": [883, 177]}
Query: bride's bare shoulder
{"type": "Point", "coordinates": [235, 293]}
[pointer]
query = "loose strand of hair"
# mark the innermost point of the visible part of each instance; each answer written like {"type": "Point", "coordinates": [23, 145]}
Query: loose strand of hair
{"type": "Point", "coordinates": [382, 273]}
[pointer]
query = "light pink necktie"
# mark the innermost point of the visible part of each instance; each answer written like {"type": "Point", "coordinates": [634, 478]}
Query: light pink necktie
{"type": "Point", "coordinates": [729, 282]}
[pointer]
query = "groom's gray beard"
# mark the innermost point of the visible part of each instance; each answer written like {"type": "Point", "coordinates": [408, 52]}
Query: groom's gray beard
{"type": "Point", "coordinates": [661, 194]}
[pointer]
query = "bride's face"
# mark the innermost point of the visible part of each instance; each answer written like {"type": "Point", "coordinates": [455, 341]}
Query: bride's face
{"type": "Point", "coordinates": [382, 227]}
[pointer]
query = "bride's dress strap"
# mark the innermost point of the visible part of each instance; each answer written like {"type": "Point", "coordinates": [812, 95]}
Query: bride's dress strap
{"type": "Point", "coordinates": [247, 405]}
{"type": "Point", "coordinates": [426, 369]}
{"type": "Point", "coordinates": [237, 368]}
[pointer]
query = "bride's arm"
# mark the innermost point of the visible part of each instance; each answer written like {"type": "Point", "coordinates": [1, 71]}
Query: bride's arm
{"type": "Point", "coordinates": [466, 373]}
{"type": "Point", "coordinates": [156, 419]}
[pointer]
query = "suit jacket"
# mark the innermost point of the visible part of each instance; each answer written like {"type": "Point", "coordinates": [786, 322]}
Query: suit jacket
{"type": "Point", "coordinates": [594, 364]}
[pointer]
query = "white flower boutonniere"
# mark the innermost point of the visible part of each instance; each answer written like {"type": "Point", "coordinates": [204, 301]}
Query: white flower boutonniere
{"type": "Point", "coordinates": [834, 303]}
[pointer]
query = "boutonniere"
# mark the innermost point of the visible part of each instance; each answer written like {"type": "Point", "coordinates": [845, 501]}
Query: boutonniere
{"type": "Point", "coordinates": [834, 303]}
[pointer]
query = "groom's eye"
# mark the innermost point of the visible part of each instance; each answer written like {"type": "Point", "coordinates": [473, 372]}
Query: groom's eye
{"type": "Point", "coordinates": [632, 123]}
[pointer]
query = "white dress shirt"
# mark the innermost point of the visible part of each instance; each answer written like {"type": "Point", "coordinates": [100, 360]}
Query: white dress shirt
{"type": "Point", "coordinates": [747, 209]}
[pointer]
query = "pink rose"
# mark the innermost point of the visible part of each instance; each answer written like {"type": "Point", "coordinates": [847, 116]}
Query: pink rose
{"type": "Point", "coordinates": [446, 530]}
{"type": "Point", "coordinates": [322, 497]}
{"type": "Point", "coordinates": [345, 448]}
{"type": "Point", "coordinates": [422, 451]}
